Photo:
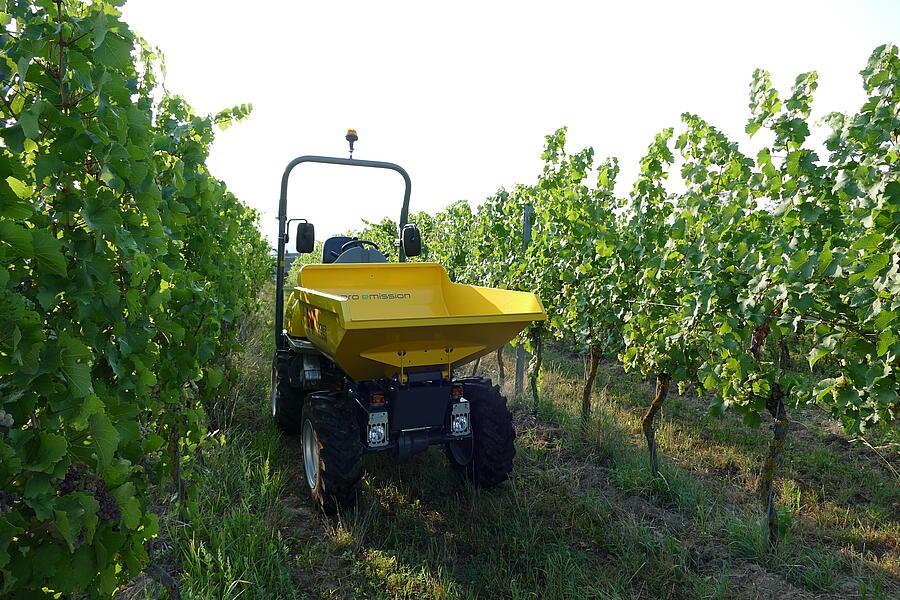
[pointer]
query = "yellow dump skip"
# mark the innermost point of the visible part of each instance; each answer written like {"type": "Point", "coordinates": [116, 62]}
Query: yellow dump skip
{"type": "Point", "coordinates": [376, 320]}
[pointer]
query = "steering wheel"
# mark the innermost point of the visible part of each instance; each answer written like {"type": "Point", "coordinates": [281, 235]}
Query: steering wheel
{"type": "Point", "coordinates": [354, 243]}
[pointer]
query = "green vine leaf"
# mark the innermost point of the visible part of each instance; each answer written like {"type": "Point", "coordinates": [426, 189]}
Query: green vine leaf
{"type": "Point", "coordinates": [105, 438]}
{"type": "Point", "coordinates": [47, 252]}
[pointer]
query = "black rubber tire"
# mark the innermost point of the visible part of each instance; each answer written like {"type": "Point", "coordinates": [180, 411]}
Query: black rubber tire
{"type": "Point", "coordinates": [340, 451]}
{"type": "Point", "coordinates": [288, 400]}
{"type": "Point", "coordinates": [493, 437]}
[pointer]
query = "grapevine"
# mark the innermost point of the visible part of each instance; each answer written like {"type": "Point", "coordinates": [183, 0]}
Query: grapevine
{"type": "Point", "coordinates": [124, 268]}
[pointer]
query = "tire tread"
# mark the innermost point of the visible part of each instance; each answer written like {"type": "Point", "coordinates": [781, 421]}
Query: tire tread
{"type": "Point", "coordinates": [340, 452]}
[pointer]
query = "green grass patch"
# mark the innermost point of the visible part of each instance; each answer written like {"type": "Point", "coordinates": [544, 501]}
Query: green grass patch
{"type": "Point", "coordinates": [583, 517]}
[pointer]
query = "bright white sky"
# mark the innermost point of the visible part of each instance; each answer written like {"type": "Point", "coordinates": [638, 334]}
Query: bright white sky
{"type": "Point", "coordinates": [462, 93]}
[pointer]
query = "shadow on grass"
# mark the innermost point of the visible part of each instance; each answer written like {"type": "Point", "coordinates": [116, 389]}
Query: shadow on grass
{"type": "Point", "coordinates": [528, 538]}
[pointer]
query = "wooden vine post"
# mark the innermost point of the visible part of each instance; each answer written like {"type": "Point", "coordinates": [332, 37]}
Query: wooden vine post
{"type": "Point", "coordinates": [521, 358]}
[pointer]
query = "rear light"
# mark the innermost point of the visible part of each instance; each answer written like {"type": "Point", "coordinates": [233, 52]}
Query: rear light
{"type": "Point", "coordinates": [376, 435]}
{"type": "Point", "coordinates": [456, 391]}
{"type": "Point", "coordinates": [460, 424]}
{"type": "Point", "coordinates": [377, 400]}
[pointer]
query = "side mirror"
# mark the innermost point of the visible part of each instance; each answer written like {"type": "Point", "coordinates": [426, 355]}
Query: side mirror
{"type": "Point", "coordinates": [306, 237]}
{"type": "Point", "coordinates": [410, 240]}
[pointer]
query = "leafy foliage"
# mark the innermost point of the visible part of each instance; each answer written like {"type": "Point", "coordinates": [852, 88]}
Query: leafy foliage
{"type": "Point", "coordinates": [726, 282]}
{"type": "Point", "coordinates": [124, 270]}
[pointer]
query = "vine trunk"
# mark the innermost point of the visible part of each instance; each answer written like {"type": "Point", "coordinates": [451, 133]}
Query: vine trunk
{"type": "Point", "coordinates": [534, 367]}
{"type": "Point", "coordinates": [775, 406]}
{"type": "Point", "coordinates": [594, 358]}
{"type": "Point", "coordinates": [662, 390]}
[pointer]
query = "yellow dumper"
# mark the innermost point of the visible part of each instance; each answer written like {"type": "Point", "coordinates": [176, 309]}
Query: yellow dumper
{"type": "Point", "coordinates": [383, 320]}
{"type": "Point", "coordinates": [366, 351]}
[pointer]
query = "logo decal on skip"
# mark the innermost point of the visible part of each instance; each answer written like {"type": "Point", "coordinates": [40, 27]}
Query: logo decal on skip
{"type": "Point", "coordinates": [399, 296]}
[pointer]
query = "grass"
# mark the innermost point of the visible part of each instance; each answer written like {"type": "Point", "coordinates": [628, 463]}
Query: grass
{"type": "Point", "coordinates": [581, 518]}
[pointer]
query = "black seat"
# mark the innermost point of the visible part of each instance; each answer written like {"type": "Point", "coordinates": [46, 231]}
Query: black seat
{"type": "Point", "coordinates": [332, 248]}
{"type": "Point", "coordinates": [331, 252]}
